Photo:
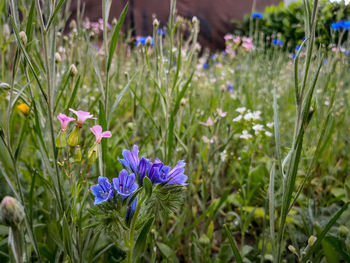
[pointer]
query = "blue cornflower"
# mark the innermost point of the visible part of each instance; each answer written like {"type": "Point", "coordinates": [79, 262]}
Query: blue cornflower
{"type": "Point", "coordinates": [176, 175]}
{"type": "Point", "coordinates": [277, 42]}
{"type": "Point", "coordinates": [125, 184]}
{"type": "Point", "coordinates": [131, 159]}
{"type": "Point", "coordinates": [257, 15]}
{"type": "Point", "coordinates": [142, 40]}
{"type": "Point", "coordinates": [205, 65]}
{"type": "Point", "coordinates": [103, 191]}
{"type": "Point", "coordinates": [340, 24]}
{"type": "Point", "coordinates": [297, 47]}
{"type": "Point", "coordinates": [161, 32]}
{"type": "Point", "coordinates": [294, 56]}
{"type": "Point", "coordinates": [230, 88]}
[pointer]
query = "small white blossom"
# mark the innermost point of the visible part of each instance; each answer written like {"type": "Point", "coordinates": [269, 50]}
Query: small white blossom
{"type": "Point", "coordinates": [223, 156]}
{"type": "Point", "coordinates": [205, 139]}
{"type": "Point", "coordinates": [238, 118]}
{"type": "Point", "coordinates": [256, 115]}
{"type": "Point", "coordinates": [248, 116]}
{"type": "Point", "coordinates": [241, 110]}
{"type": "Point", "coordinates": [267, 133]}
{"type": "Point", "coordinates": [270, 124]}
{"type": "Point", "coordinates": [258, 127]}
{"type": "Point", "coordinates": [245, 135]}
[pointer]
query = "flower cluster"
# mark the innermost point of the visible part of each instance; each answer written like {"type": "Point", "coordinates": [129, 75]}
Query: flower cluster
{"type": "Point", "coordinates": [96, 27]}
{"type": "Point", "coordinates": [129, 179]}
{"type": "Point", "coordinates": [73, 139]}
{"type": "Point", "coordinates": [341, 25]}
{"type": "Point", "coordinates": [252, 119]}
{"type": "Point", "coordinates": [144, 41]}
{"type": "Point", "coordinates": [234, 43]}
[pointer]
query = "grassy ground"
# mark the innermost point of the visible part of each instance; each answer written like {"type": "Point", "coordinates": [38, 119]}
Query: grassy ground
{"type": "Point", "coordinates": [252, 129]}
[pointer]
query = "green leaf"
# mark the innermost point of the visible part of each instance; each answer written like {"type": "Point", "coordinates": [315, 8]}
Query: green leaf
{"type": "Point", "coordinates": [167, 252]}
{"type": "Point", "coordinates": [147, 184]}
{"type": "Point", "coordinates": [140, 244]}
{"type": "Point", "coordinates": [233, 245]}
{"type": "Point", "coordinates": [60, 3]}
{"type": "Point", "coordinates": [115, 36]}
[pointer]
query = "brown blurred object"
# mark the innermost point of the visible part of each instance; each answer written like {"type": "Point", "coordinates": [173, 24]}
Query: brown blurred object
{"type": "Point", "coordinates": [215, 16]}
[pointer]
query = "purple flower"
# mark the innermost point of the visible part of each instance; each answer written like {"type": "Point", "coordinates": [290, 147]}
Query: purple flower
{"type": "Point", "coordinates": [176, 175]}
{"type": "Point", "coordinates": [103, 191]}
{"type": "Point", "coordinates": [125, 184]}
{"type": "Point", "coordinates": [144, 165]}
{"type": "Point", "coordinates": [157, 173]}
{"type": "Point", "coordinates": [64, 119]}
{"type": "Point", "coordinates": [131, 210]}
{"type": "Point", "coordinates": [257, 15]}
{"type": "Point", "coordinates": [131, 159]}
{"type": "Point", "coordinates": [97, 131]}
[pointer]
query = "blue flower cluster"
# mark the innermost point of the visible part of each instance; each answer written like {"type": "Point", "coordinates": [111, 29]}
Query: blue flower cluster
{"type": "Point", "coordinates": [137, 169]}
{"type": "Point", "coordinates": [341, 25]}
{"type": "Point", "coordinates": [277, 42]}
{"type": "Point", "coordinates": [257, 15]}
{"type": "Point", "coordinates": [161, 32]}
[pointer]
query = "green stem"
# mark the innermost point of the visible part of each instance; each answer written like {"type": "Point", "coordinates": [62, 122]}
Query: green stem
{"type": "Point", "coordinates": [132, 229]}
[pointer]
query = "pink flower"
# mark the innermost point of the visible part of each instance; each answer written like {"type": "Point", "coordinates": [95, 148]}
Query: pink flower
{"type": "Point", "coordinates": [237, 39]}
{"type": "Point", "coordinates": [209, 122]}
{"type": "Point", "coordinates": [228, 37]}
{"type": "Point", "coordinates": [64, 119]}
{"type": "Point", "coordinates": [97, 130]}
{"type": "Point", "coordinates": [248, 45]}
{"type": "Point", "coordinates": [82, 116]}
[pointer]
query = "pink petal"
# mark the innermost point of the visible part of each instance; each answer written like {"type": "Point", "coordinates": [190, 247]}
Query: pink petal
{"type": "Point", "coordinates": [97, 131]}
{"type": "Point", "coordinates": [106, 134]}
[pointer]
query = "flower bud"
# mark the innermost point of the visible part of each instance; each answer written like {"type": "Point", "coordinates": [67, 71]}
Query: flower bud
{"type": "Point", "coordinates": [77, 154]}
{"type": "Point", "coordinates": [93, 154]}
{"type": "Point", "coordinates": [73, 70]}
{"type": "Point", "coordinates": [7, 32]}
{"type": "Point", "coordinates": [11, 212]}
{"type": "Point", "coordinates": [73, 24]}
{"type": "Point", "coordinates": [311, 241]}
{"type": "Point", "coordinates": [148, 41]}
{"type": "Point", "coordinates": [23, 37]}
{"type": "Point", "coordinates": [155, 23]}
{"type": "Point", "coordinates": [58, 58]}
{"type": "Point", "coordinates": [74, 137]}
{"type": "Point", "coordinates": [114, 21]}
{"type": "Point", "coordinates": [195, 21]}
{"type": "Point", "coordinates": [61, 140]}
{"type": "Point", "coordinates": [292, 249]}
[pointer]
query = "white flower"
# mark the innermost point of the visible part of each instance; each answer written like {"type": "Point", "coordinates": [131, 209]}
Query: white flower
{"type": "Point", "coordinates": [223, 156]}
{"type": "Point", "coordinates": [258, 127]}
{"type": "Point", "coordinates": [267, 133]}
{"type": "Point", "coordinates": [270, 124]}
{"type": "Point", "coordinates": [238, 118]}
{"type": "Point", "coordinates": [208, 123]}
{"type": "Point", "coordinates": [241, 110]}
{"type": "Point", "coordinates": [221, 113]}
{"type": "Point", "coordinates": [256, 115]}
{"type": "Point", "coordinates": [248, 116]}
{"type": "Point", "coordinates": [245, 135]}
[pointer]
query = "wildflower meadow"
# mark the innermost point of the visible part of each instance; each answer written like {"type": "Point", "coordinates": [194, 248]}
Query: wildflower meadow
{"type": "Point", "coordinates": [116, 148]}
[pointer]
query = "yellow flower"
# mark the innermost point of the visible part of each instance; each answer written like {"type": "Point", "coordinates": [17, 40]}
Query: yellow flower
{"type": "Point", "coordinates": [23, 108]}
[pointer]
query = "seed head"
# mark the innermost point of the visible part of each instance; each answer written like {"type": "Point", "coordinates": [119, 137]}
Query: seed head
{"type": "Point", "coordinates": [58, 58]}
{"type": "Point", "coordinates": [23, 37]}
{"type": "Point", "coordinates": [11, 212]}
{"type": "Point", "coordinates": [73, 70]}
{"type": "Point", "coordinates": [292, 249]}
{"type": "Point", "coordinates": [155, 23]}
{"type": "Point", "coordinates": [311, 241]}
